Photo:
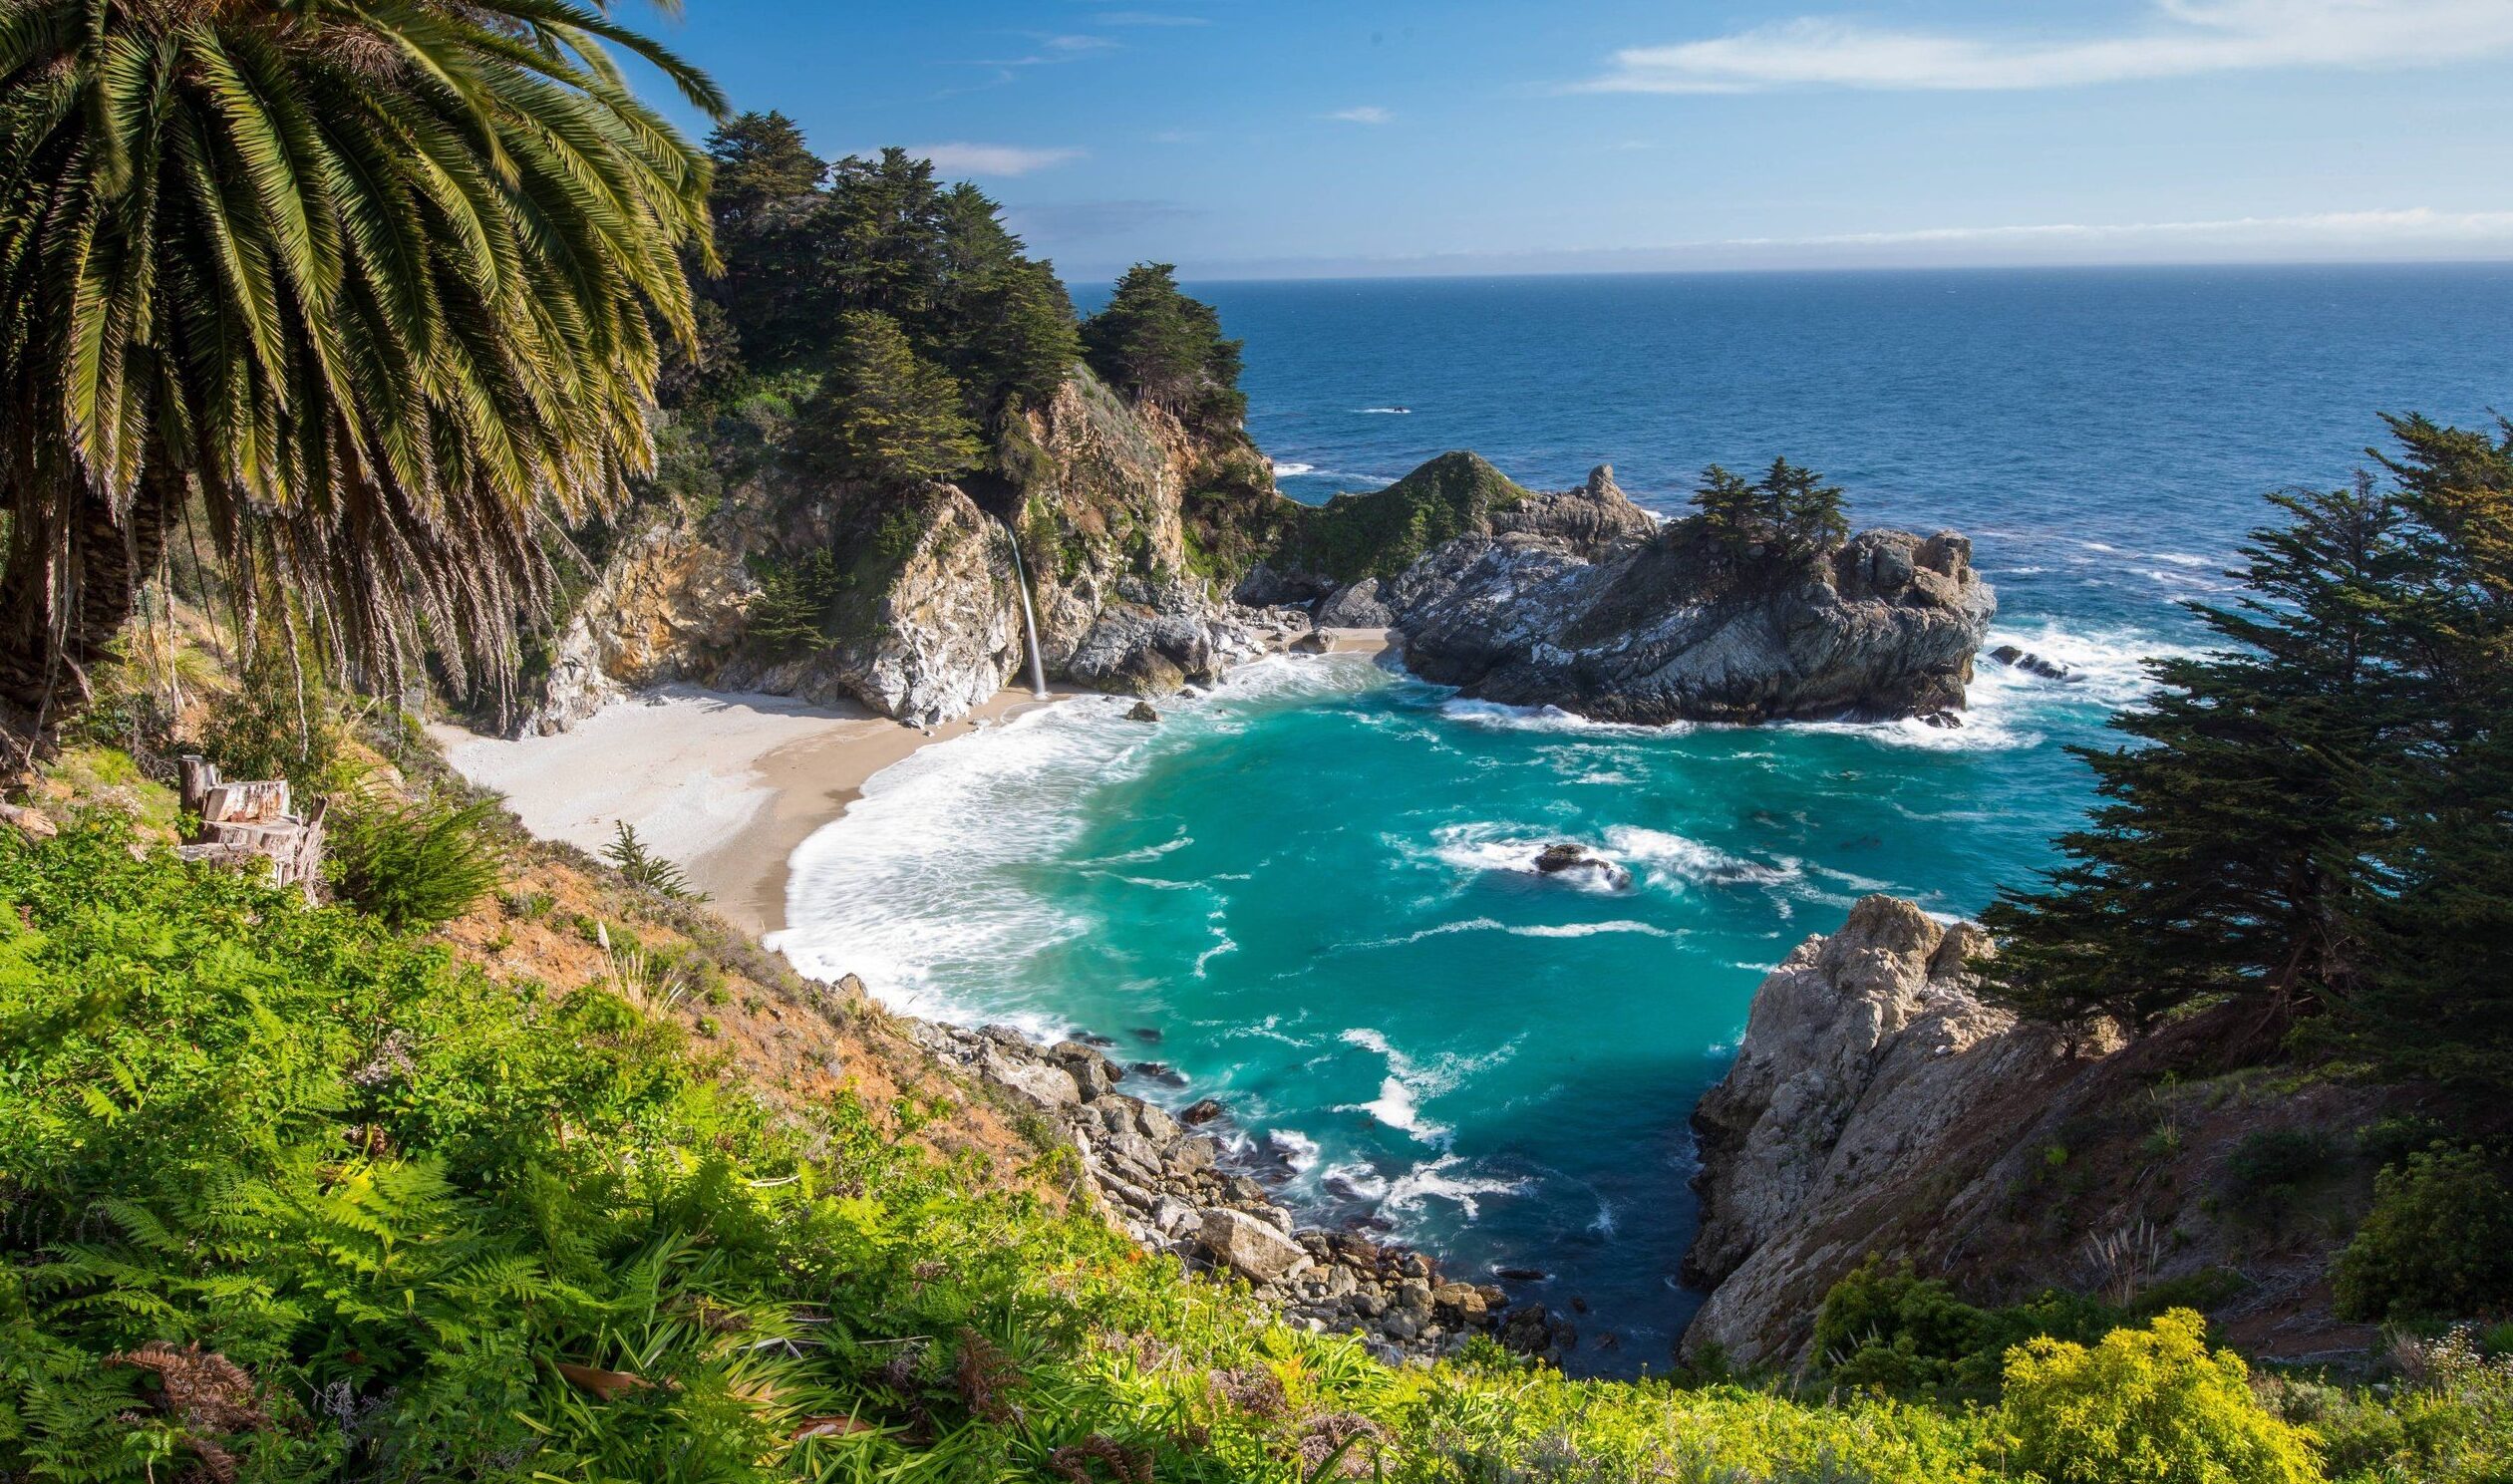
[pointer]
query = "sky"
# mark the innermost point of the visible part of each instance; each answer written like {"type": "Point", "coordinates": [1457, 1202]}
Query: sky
{"type": "Point", "coordinates": [1243, 139]}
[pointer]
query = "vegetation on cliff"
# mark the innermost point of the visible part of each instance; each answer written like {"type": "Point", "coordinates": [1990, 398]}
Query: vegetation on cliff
{"type": "Point", "coordinates": [2319, 818]}
{"type": "Point", "coordinates": [1789, 512]}
{"type": "Point", "coordinates": [1385, 532]}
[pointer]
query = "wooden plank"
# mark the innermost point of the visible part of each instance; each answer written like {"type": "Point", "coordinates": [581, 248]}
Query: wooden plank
{"type": "Point", "coordinates": [245, 803]}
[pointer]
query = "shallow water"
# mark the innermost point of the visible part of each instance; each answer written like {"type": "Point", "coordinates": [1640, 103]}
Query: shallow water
{"type": "Point", "coordinates": [1312, 886]}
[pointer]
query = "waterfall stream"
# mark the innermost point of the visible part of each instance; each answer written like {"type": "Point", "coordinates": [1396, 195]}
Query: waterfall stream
{"type": "Point", "coordinates": [1028, 618]}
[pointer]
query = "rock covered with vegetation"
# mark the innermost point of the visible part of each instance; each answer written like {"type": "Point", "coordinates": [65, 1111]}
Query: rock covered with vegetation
{"type": "Point", "coordinates": [1760, 608]}
{"type": "Point", "coordinates": [891, 400]}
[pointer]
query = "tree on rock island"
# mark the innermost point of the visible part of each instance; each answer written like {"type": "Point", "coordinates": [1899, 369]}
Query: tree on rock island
{"type": "Point", "coordinates": [1790, 512]}
{"type": "Point", "coordinates": [368, 293]}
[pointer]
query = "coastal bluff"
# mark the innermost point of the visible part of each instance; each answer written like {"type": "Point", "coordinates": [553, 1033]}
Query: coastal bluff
{"type": "Point", "coordinates": [1580, 599]}
{"type": "Point", "coordinates": [1880, 1106]}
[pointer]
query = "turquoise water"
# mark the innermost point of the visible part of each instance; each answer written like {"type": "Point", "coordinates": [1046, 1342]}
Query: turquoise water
{"type": "Point", "coordinates": [1307, 892]}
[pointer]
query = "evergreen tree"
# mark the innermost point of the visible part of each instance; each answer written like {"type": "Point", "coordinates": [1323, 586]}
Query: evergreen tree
{"type": "Point", "coordinates": [883, 415]}
{"type": "Point", "coordinates": [2229, 855]}
{"type": "Point", "coordinates": [2437, 997]}
{"type": "Point", "coordinates": [1159, 344]}
{"type": "Point", "coordinates": [1789, 512]}
{"type": "Point", "coordinates": [1729, 505]}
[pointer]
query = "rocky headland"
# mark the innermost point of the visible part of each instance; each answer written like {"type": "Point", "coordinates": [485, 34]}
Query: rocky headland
{"type": "Point", "coordinates": [1579, 599]}
{"type": "Point", "coordinates": [1879, 1105]}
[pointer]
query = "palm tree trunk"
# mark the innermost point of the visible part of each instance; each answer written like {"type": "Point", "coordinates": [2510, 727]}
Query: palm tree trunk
{"type": "Point", "coordinates": [45, 651]}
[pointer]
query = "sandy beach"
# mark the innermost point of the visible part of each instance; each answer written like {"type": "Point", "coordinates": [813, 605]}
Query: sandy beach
{"type": "Point", "coordinates": [725, 784]}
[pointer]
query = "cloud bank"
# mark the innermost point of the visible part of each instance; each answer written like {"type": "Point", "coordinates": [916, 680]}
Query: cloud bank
{"type": "Point", "coordinates": [1368, 114]}
{"type": "Point", "coordinates": [2177, 39]}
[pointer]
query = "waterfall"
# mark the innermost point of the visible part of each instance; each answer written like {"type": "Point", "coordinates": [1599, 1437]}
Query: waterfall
{"type": "Point", "coordinates": [1028, 619]}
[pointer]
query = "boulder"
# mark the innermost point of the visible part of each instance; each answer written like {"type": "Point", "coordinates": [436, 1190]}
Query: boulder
{"type": "Point", "coordinates": [1578, 863]}
{"type": "Point", "coordinates": [1203, 1111]}
{"type": "Point", "coordinates": [1143, 712]}
{"type": "Point", "coordinates": [1049, 1086]}
{"type": "Point", "coordinates": [1251, 1247]}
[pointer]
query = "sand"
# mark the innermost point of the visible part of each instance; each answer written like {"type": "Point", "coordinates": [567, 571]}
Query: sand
{"type": "Point", "coordinates": [725, 784]}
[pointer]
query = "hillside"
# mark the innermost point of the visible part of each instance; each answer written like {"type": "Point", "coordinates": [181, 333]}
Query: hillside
{"type": "Point", "coordinates": [581, 1184]}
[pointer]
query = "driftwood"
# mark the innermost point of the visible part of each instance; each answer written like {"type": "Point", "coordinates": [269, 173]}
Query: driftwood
{"type": "Point", "coordinates": [244, 822]}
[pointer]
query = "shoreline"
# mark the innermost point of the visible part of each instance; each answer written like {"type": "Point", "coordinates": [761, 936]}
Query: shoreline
{"type": "Point", "coordinates": [725, 784]}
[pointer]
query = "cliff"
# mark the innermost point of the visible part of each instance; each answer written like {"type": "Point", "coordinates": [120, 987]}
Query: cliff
{"type": "Point", "coordinates": [908, 601]}
{"type": "Point", "coordinates": [1878, 1106]}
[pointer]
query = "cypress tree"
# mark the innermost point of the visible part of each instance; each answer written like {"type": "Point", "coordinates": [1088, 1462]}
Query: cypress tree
{"type": "Point", "coordinates": [1159, 344]}
{"type": "Point", "coordinates": [2437, 997]}
{"type": "Point", "coordinates": [884, 416]}
{"type": "Point", "coordinates": [2230, 855]}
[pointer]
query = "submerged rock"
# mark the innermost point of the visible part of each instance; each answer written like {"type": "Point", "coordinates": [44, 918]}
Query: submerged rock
{"type": "Point", "coordinates": [2031, 663]}
{"type": "Point", "coordinates": [1579, 863]}
{"type": "Point", "coordinates": [1203, 1111]}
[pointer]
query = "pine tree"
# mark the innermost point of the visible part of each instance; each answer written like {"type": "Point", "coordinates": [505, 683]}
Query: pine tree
{"type": "Point", "coordinates": [1159, 344]}
{"type": "Point", "coordinates": [1789, 512]}
{"type": "Point", "coordinates": [1729, 507]}
{"type": "Point", "coordinates": [2438, 999]}
{"type": "Point", "coordinates": [884, 416]}
{"type": "Point", "coordinates": [2229, 855]}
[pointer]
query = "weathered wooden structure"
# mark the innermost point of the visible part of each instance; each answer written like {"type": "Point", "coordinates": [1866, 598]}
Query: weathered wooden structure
{"type": "Point", "coordinates": [246, 822]}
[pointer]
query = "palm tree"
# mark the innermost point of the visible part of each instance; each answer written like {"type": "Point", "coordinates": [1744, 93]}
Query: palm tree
{"type": "Point", "coordinates": [370, 289]}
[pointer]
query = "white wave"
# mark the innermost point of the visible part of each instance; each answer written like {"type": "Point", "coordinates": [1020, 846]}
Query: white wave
{"type": "Point", "coordinates": [1437, 1179]}
{"type": "Point", "coordinates": [1409, 1083]}
{"type": "Point", "coordinates": [1482, 846]}
{"type": "Point", "coordinates": [1294, 1148]}
{"type": "Point", "coordinates": [1223, 943]}
{"type": "Point", "coordinates": [1498, 717]}
{"type": "Point", "coordinates": [1365, 1182]}
{"type": "Point", "coordinates": [1143, 856]}
{"type": "Point", "coordinates": [1604, 1225]}
{"type": "Point", "coordinates": [1674, 861]}
{"type": "Point", "coordinates": [1391, 412]}
{"type": "Point", "coordinates": [1610, 777]}
{"type": "Point", "coordinates": [1592, 929]}
{"type": "Point", "coordinates": [2185, 559]}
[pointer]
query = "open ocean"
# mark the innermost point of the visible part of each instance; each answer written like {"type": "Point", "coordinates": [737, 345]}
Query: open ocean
{"type": "Point", "coordinates": [1300, 892]}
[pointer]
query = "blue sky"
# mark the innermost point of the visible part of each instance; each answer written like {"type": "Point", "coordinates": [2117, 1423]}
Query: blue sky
{"type": "Point", "coordinates": [1242, 138]}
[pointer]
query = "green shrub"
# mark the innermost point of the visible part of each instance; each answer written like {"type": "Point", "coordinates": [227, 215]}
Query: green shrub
{"type": "Point", "coordinates": [2152, 1405]}
{"type": "Point", "coordinates": [413, 866]}
{"type": "Point", "coordinates": [278, 724]}
{"type": "Point", "coordinates": [2438, 1243]}
{"type": "Point", "coordinates": [1893, 1331]}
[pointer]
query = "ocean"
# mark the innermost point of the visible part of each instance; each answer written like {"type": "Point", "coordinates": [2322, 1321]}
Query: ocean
{"type": "Point", "coordinates": [1306, 892]}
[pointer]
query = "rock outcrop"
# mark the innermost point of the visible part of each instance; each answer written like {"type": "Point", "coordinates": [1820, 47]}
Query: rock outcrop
{"type": "Point", "coordinates": [914, 595]}
{"type": "Point", "coordinates": [1862, 1051]}
{"type": "Point", "coordinates": [1878, 1106]}
{"type": "Point", "coordinates": [1190, 1186]}
{"type": "Point", "coordinates": [1580, 600]}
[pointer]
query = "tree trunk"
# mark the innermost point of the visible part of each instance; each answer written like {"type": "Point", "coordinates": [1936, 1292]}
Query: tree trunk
{"type": "Point", "coordinates": [45, 652]}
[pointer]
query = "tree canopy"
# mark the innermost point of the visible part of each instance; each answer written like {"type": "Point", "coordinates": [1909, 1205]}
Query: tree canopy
{"type": "Point", "coordinates": [2319, 815]}
{"type": "Point", "coordinates": [808, 247]}
{"type": "Point", "coordinates": [1790, 512]}
{"type": "Point", "coordinates": [1159, 344]}
{"type": "Point", "coordinates": [374, 289]}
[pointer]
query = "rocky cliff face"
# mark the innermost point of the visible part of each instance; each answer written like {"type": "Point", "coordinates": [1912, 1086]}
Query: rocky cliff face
{"type": "Point", "coordinates": [1104, 523]}
{"type": "Point", "coordinates": [916, 594]}
{"type": "Point", "coordinates": [1863, 1051]}
{"type": "Point", "coordinates": [1878, 1106]}
{"type": "Point", "coordinates": [1663, 629]}
{"type": "Point", "coordinates": [1580, 600]}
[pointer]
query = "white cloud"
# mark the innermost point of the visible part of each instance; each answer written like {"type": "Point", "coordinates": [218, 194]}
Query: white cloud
{"type": "Point", "coordinates": [1369, 113]}
{"type": "Point", "coordinates": [1148, 18]}
{"type": "Point", "coordinates": [991, 159]}
{"type": "Point", "coordinates": [2178, 38]}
